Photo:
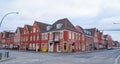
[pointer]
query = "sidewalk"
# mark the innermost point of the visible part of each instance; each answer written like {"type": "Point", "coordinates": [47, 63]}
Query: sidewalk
{"type": "Point", "coordinates": [84, 52]}
{"type": "Point", "coordinates": [5, 59]}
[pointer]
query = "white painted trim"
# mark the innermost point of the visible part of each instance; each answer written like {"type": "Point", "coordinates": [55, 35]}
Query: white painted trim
{"type": "Point", "coordinates": [50, 47]}
{"type": "Point", "coordinates": [58, 48]}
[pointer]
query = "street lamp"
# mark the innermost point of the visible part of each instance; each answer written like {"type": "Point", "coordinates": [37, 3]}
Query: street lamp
{"type": "Point", "coordinates": [6, 15]}
{"type": "Point", "coordinates": [116, 23]}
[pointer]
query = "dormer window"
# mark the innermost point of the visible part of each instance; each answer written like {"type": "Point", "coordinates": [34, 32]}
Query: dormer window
{"type": "Point", "coordinates": [87, 32]}
{"type": "Point", "coordinates": [48, 28]}
{"type": "Point", "coordinates": [58, 26]}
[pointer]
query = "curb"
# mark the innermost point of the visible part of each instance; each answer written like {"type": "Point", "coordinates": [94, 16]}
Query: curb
{"type": "Point", "coordinates": [10, 58]}
{"type": "Point", "coordinates": [116, 60]}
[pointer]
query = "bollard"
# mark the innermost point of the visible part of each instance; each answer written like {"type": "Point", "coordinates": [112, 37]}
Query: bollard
{"type": "Point", "coordinates": [0, 56]}
{"type": "Point", "coordinates": [7, 54]}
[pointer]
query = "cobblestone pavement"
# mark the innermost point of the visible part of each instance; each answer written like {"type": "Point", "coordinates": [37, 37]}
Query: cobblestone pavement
{"type": "Point", "coordinates": [97, 57]}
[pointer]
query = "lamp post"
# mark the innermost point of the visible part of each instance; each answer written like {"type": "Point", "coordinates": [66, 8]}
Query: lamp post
{"type": "Point", "coordinates": [116, 23]}
{"type": "Point", "coordinates": [6, 15]}
{"type": "Point", "coordinates": [7, 53]}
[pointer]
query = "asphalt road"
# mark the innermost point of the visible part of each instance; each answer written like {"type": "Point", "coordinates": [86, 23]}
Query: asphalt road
{"type": "Point", "coordinates": [97, 57]}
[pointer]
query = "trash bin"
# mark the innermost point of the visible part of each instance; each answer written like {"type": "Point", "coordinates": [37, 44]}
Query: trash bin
{"type": "Point", "coordinates": [44, 50]}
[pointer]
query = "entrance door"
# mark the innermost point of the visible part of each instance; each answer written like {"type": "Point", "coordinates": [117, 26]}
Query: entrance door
{"type": "Point", "coordinates": [58, 48]}
{"type": "Point", "coordinates": [37, 47]}
{"type": "Point", "coordinates": [83, 47]}
{"type": "Point", "coordinates": [65, 47]}
{"type": "Point", "coordinates": [51, 47]}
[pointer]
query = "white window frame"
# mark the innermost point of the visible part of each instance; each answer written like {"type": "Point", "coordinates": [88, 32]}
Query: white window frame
{"type": "Point", "coordinates": [61, 34]}
{"type": "Point", "coordinates": [34, 38]}
{"type": "Point", "coordinates": [30, 38]}
{"type": "Point", "coordinates": [37, 37]}
{"type": "Point", "coordinates": [34, 30]}
{"type": "Point", "coordinates": [51, 35]}
{"type": "Point", "coordinates": [73, 35]}
{"type": "Point", "coordinates": [69, 34]}
{"type": "Point", "coordinates": [43, 37]}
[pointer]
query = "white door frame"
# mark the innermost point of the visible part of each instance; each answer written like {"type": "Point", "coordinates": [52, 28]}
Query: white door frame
{"type": "Point", "coordinates": [51, 47]}
{"type": "Point", "coordinates": [58, 45]}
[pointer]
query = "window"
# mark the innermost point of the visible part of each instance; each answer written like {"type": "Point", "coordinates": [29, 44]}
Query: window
{"type": "Point", "coordinates": [26, 38]}
{"type": "Point", "coordinates": [43, 45]}
{"type": "Point", "coordinates": [37, 37]}
{"type": "Point", "coordinates": [42, 36]}
{"type": "Point", "coordinates": [73, 35]}
{"type": "Point", "coordinates": [58, 26]}
{"type": "Point", "coordinates": [48, 28]}
{"type": "Point", "coordinates": [34, 37]}
{"type": "Point", "coordinates": [33, 46]}
{"type": "Point", "coordinates": [83, 37]}
{"type": "Point", "coordinates": [30, 38]}
{"type": "Point", "coordinates": [37, 30]}
{"type": "Point", "coordinates": [45, 36]}
{"type": "Point", "coordinates": [56, 35]}
{"type": "Point", "coordinates": [30, 46]}
{"type": "Point", "coordinates": [61, 34]}
{"type": "Point", "coordinates": [34, 29]}
{"type": "Point", "coordinates": [79, 46]}
{"type": "Point", "coordinates": [79, 36]}
{"type": "Point", "coordinates": [69, 35]}
{"type": "Point", "coordinates": [21, 39]}
{"type": "Point", "coordinates": [24, 32]}
{"type": "Point", "coordinates": [51, 35]}
{"type": "Point", "coordinates": [59, 47]}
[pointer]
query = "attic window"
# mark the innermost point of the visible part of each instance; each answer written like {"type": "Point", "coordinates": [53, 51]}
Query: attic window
{"type": "Point", "coordinates": [58, 26]}
{"type": "Point", "coordinates": [49, 27]}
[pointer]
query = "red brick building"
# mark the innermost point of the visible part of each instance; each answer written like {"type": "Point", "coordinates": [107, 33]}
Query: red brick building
{"type": "Point", "coordinates": [97, 35]}
{"type": "Point", "coordinates": [108, 41]}
{"type": "Point", "coordinates": [25, 37]}
{"type": "Point", "coordinates": [116, 44]}
{"type": "Point", "coordinates": [61, 36]}
{"type": "Point", "coordinates": [82, 38]}
{"type": "Point", "coordinates": [7, 39]}
{"type": "Point", "coordinates": [89, 41]}
{"type": "Point", "coordinates": [35, 36]}
{"type": "Point", "coordinates": [17, 37]}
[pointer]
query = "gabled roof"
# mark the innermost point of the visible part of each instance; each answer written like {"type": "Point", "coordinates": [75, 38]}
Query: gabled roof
{"type": "Point", "coordinates": [105, 36]}
{"type": "Point", "coordinates": [92, 30]}
{"type": "Point", "coordinates": [80, 29]}
{"type": "Point", "coordinates": [20, 28]}
{"type": "Point", "coordinates": [42, 26]}
{"type": "Point", "coordinates": [115, 42]}
{"type": "Point", "coordinates": [29, 27]}
{"type": "Point", "coordinates": [66, 25]}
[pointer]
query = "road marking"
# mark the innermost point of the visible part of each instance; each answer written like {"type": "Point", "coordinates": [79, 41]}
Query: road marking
{"type": "Point", "coordinates": [116, 60]}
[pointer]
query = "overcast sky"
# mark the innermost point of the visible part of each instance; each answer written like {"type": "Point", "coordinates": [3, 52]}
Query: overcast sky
{"type": "Point", "coordinates": [86, 13]}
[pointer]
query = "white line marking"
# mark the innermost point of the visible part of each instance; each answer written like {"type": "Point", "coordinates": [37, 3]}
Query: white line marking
{"type": "Point", "coordinates": [116, 60]}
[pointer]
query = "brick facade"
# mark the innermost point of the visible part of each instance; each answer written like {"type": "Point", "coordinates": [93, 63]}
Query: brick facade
{"type": "Point", "coordinates": [61, 36]}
